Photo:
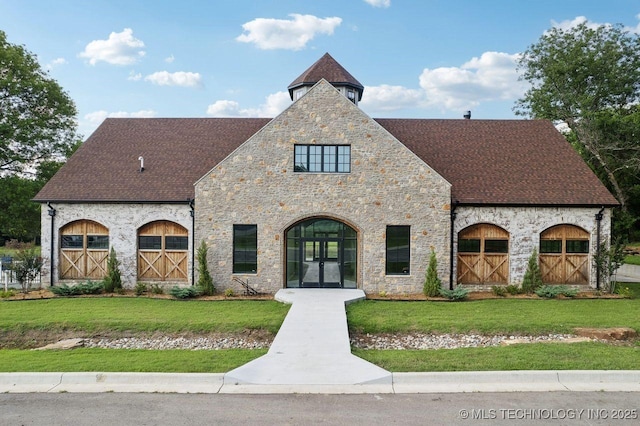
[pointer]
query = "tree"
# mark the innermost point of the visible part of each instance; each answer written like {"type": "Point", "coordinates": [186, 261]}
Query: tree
{"type": "Point", "coordinates": [532, 277]}
{"type": "Point", "coordinates": [113, 280]}
{"type": "Point", "coordinates": [589, 78]}
{"type": "Point", "coordinates": [432, 282]}
{"type": "Point", "coordinates": [205, 282]}
{"type": "Point", "coordinates": [27, 267]}
{"type": "Point", "coordinates": [37, 118]}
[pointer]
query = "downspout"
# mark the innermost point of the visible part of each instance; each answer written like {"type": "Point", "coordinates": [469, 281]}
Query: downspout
{"type": "Point", "coordinates": [193, 239]}
{"type": "Point", "coordinates": [52, 214]}
{"type": "Point", "coordinates": [599, 217]}
{"type": "Point", "coordinates": [453, 219]}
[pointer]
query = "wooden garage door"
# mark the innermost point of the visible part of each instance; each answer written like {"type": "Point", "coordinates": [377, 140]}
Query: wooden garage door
{"type": "Point", "coordinates": [483, 255]}
{"type": "Point", "coordinates": [84, 249]}
{"type": "Point", "coordinates": [163, 249]}
{"type": "Point", "coordinates": [564, 255]}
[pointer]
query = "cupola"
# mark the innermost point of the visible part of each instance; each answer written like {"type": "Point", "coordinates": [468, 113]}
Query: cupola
{"type": "Point", "coordinates": [329, 69]}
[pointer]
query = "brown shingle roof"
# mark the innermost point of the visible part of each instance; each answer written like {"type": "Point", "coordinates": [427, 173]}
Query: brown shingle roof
{"type": "Point", "coordinates": [176, 151]}
{"type": "Point", "coordinates": [496, 162]}
{"type": "Point", "coordinates": [329, 69]}
{"type": "Point", "coordinates": [508, 162]}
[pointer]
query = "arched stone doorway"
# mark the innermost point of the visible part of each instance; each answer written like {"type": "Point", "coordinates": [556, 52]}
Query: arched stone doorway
{"type": "Point", "coordinates": [483, 255]}
{"type": "Point", "coordinates": [321, 253]}
{"type": "Point", "coordinates": [163, 249]}
{"type": "Point", "coordinates": [84, 249]}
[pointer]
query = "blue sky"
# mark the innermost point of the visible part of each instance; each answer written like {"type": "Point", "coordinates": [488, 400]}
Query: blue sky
{"type": "Point", "coordinates": [422, 58]}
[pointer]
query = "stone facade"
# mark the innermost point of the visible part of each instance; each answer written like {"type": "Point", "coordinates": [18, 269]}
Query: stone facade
{"type": "Point", "coordinates": [387, 185]}
{"type": "Point", "coordinates": [123, 222]}
{"type": "Point", "coordinates": [525, 224]}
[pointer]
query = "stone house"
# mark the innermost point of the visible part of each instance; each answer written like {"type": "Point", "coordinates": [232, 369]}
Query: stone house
{"type": "Point", "coordinates": [325, 196]}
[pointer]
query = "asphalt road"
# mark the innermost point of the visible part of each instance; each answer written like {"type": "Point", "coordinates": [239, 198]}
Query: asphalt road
{"type": "Point", "coordinates": [566, 408]}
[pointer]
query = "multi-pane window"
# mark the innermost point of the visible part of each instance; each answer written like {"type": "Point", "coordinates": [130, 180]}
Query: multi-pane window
{"type": "Point", "coordinates": [398, 252]}
{"type": "Point", "coordinates": [322, 158]}
{"type": "Point", "coordinates": [245, 248]}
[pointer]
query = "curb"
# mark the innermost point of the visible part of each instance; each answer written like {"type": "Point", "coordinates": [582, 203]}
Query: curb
{"type": "Point", "coordinates": [403, 383]}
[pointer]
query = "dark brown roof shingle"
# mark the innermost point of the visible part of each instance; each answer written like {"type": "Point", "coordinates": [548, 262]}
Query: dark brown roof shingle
{"type": "Point", "coordinates": [328, 68]}
{"type": "Point", "coordinates": [488, 162]}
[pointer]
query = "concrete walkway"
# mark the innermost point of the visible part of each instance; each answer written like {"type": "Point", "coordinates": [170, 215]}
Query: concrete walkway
{"type": "Point", "coordinates": [312, 347]}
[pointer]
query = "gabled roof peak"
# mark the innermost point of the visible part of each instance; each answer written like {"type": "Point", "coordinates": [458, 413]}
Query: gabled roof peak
{"type": "Point", "coordinates": [328, 68]}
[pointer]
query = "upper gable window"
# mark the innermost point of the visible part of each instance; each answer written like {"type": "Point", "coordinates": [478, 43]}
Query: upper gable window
{"type": "Point", "coordinates": [322, 158]}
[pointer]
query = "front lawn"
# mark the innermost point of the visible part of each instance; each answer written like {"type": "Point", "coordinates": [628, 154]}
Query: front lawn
{"type": "Point", "coordinates": [93, 316]}
{"type": "Point", "coordinates": [492, 316]}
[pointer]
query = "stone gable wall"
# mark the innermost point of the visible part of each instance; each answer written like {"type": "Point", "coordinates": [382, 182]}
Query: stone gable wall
{"type": "Point", "coordinates": [388, 185]}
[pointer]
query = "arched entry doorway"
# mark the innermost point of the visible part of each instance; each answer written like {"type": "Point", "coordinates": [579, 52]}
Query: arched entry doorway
{"type": "Point", "coordinates": [564, 255]}
{"type": "Point", "coordinates": [321, 253]}
{"type": "Point", "coordinates": [483, 255]}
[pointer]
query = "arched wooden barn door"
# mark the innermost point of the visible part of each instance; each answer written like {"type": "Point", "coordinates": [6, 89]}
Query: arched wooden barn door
{"type": "Point", "coordinates": [163, 249]}
{"type": "Point", "coordinates": [483, 255]}
{"type": "Point", "coordinates": [564, 255]}
{"type": "Point", "coordinates": [84, 249]}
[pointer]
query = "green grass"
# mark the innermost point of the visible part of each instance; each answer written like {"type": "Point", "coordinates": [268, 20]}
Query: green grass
{"type": "Point", "coordinates": [110, 360]}
{"type": "Point", "coordinates": [13, 252]}
{"type": "Point", "coordinates": [632, 260]}
{"type": "Point", "coordinates": [95, 315]}
{"type": "Point", "coordinates": [538, 356]}
{"type": "Point", "coordinates": [633, 287]}
{"type": "Point", "coordinates": [494, 316]}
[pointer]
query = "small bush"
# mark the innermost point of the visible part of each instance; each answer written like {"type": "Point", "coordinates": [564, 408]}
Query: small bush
{"type": "Point", "coordinates": [156, 289]}
{"type": "Point", "coordinates": [498, 290]}
{"type": "Point", "coordinates": [90, 287]}
{"type": "Point", "coordinates": [65, 290]}
{"type": "Point", "coordinates": [113, 281]}
{"type": "Point", "coordinates": [140, 289]}
{"type": "Point", "coordinates": [205, 281]}
{"type": "Point", "coordinates": [625, 292]}
{"type": "Point", "coordinates": [552, 291]}
{"type": "Point", "coordinates": [532, 277]}
{"type": "Point", "coordinates": [458, 293]}
{"type": "Point", "coordinates": [184, 292]}
{"type": "Point", "coordinates": [229, 292]}
{"type": "Point", "coordinates": [5, 294]}
{"type": "Point", "coordinates": [27, 267]}
{"type": "Point", "coordinates": [432, 283]}
{"type": "Point", "coordinates": [513, 289]}
{"type": "Point", "coordinates": [382, 293]}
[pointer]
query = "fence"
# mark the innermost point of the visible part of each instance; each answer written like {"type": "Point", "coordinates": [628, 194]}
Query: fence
{"type": "Point", "coordinates": [8, 276]}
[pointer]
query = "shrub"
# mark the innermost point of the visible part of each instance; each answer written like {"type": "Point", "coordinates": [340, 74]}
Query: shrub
{"type": "Point", "coordinates": [140, 289]}
{"type": "Point", "coordinates": [625, 292]}
{"type": "Point", "coordinates": [432, 283]}
{"type": "Point", "coordinates": [607, 260]}
{"type": "Point", "coordinates": [552, 291]}
{"type": "Point", "coordinates": [184, 292]}
{"type": "Point", "coordinates": [8, 293]}
{"type": "Point", "coordinates": [532, 277]}
{"type": "Point", "coordinates": [90, 287]}
{"type": "Point", "coordinates": [65, 290]}
{"type": "Point", "coordinates": [205, 282]}
{"type": "Point", "coordinates": [113, 281]}
{"type": "Point", "coordinates": [229, 292]}
{"type": "Point", "coordinates": [156, 289]}
{"type": "Point", "coordinates": [458, 293]}
{"type": "Point", "coordinates": [27, 267]}
{"type": "Point", "coordinates": [513, 289]}
{"type": "Point", "coordinates": [499, 290]}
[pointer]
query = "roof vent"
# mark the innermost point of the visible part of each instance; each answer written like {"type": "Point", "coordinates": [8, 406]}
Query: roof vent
{"type": "Point", "coordinates": [141, 159]}
{"type": "Point", "coordinates": [467, 115]}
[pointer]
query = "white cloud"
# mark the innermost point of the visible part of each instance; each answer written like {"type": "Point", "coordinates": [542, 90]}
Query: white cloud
{"type": "Point", "coordinates": [390, 98]}
{"type": "Point", "coordinates": [119, 49]}
{"type": "Point", "coordinates": [180, 78]}
{"type": "Point", "coordinates": [274, 105]}
{"type": "Point", "coordinates": [133, 76]}
{"type": "Point", "coordinates": [292, 34]}
{"type": "Point", "coordinates": [379, 3]}
{"type": "Point", "coordinates": [572, 23]}
{"type": "Point", "coordinates": [169, 59]}
{"type": "Point", "coordinates": [98, 117]}
{"type": "Point", "coordinates": [56, 62]}
{"type": "Point", "coordinates": [491, 77]}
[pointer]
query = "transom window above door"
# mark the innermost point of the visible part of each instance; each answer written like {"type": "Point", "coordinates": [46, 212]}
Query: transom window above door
{"type": "Point", "coordinates": [322, 158]}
